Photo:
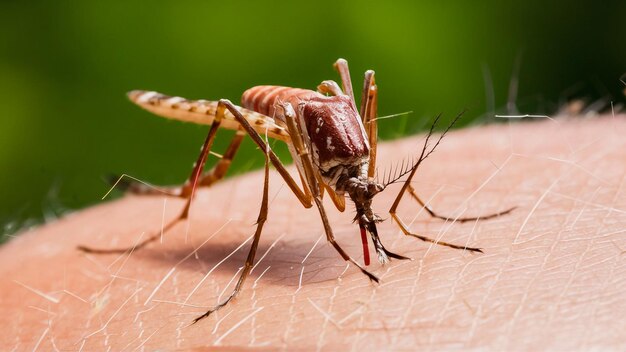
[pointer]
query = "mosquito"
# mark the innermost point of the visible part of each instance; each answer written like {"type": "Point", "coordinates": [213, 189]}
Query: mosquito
{"type": "Point", "coordinates": [331, 142]}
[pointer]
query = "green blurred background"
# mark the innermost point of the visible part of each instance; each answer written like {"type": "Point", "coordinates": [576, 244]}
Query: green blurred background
{"type": "Point", "coordinates": [65, 67]}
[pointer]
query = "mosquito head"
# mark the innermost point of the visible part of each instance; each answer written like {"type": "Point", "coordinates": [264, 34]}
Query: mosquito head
{"type": "Point", "coordinates": [362, 191]}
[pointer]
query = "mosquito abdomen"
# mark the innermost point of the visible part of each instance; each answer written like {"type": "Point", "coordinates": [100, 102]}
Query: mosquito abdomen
{"type": "Point", "coordinates": [203, 112]}
{"type": "Point", "coordinates": [262, 98]}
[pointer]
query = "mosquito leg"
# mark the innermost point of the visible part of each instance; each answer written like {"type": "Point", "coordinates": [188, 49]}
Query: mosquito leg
{"type": "Point", "coordinates": [307, 164]}
{"type": "Point", "coordinates": [195, 180]}
{"type": "Point", "coordinates": [369, 110]}
{"type": "Point", "coordinates": [330, 237]}
{"type": "Point", "coordinates": [207, 179]}
{"type": "Point", "coordinates": [304, 196]}
{"type": "Point", "coordinates": [187, 192]}
{"type": "Point", "coordinates": [253, 248]}
{"type": "Point", "coordinates": [136, 247]}
{"type": "Point", "coordinates": [432, 213]}
{"type": "Point", "coordinates": [329, 87]}
{"type": "Point", "coordinates": [405, 230]}
{"type": "Point", "coordinates": [407, 184]}
{"type": "Point", "coordinates": [219, 171]}
{"type": "Point", "coordinates": [341, 66]}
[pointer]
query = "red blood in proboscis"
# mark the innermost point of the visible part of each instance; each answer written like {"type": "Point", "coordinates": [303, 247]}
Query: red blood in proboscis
{"type": "Point", "coordinates": [366, 251]}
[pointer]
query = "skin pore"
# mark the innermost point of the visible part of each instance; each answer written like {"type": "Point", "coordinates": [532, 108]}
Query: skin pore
{"type": "Point", "coordinates": [551, 276]}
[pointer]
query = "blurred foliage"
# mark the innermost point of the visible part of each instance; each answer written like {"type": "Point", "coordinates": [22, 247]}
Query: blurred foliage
{"type": "Point", "coordinates": [65, 67]}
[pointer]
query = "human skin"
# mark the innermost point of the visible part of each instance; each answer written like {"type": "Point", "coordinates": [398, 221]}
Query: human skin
{"type": "Point", "coordinates": [552, 276]}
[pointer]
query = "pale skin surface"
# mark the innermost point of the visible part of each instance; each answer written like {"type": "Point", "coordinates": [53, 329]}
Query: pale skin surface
{"type": "Point", "coordinates": [553, 275]}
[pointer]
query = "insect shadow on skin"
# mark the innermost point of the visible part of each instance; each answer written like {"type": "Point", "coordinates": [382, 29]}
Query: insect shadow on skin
{"type": "Point", "coordinates": [332, 143]}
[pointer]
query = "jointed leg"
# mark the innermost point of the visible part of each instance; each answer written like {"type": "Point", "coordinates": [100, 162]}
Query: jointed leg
{"type": "Point", "coordinates": [405, 229]}
{"type": "Point", "coordinates": [187, 190]}
{"type": "Point", "coordinates": [206, 180]}
{"type": "Point", "coordinates": [304, 196]}
{"type": "Point", "coordinates": [305, 157]}
{"type": "Point", "coordinates": [341, 66]}
{"type": "Point", "coordinates": [253, 248]}
{"type": "Point", "coordinates": [338, 200]}
{"type": "Point", "coordinates": [219, 170]}
{"type": "Point", "coordinates": [435, 215]}
{"type": "Point", "coordinates": [369, 110]}
{"type": "Point", "coordinates": [330, 237]}
{"type": "Point", "coordinates": [405, 186]}
{"type": "Point", "coordinates": [329, 87]}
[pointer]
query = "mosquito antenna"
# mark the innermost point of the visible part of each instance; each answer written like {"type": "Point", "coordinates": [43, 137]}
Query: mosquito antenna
{"type": "Point", "coordinates": [394, 176]}
{"type": "Point", "coordinates": [395, 170]}
{"type": "Point", "coordinates": [425, 153]}
{"type": "Point", "coordinates": [384, 174]}
{"type": "Point", "coordinates": [404, 166]}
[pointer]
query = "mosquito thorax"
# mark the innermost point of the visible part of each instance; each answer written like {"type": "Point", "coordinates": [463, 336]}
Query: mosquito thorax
{"type": "Point", "coordinates": [337, 138]}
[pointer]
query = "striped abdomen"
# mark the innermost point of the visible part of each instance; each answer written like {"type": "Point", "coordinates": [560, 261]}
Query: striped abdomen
{"type": "Point", "coordinates": [203, 112]}
{"type": "Point", "coordinates": [262, 98]}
